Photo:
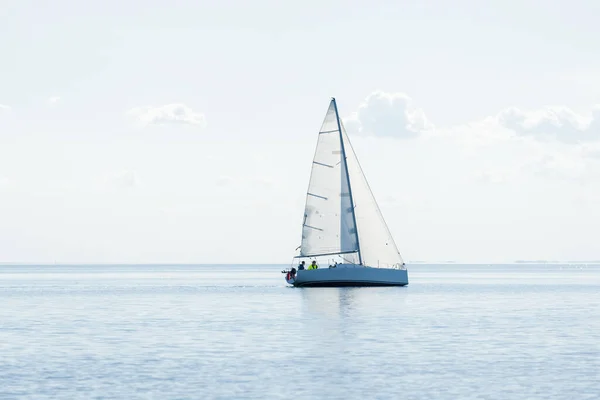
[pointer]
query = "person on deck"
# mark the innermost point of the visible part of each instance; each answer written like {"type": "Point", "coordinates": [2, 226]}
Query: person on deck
{"type": "Point", "coordinates": [301, 266]}
{"type": "Point", "coordinates": [313, 265]}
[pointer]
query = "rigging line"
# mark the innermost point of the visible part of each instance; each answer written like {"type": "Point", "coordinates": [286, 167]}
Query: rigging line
{"type": "Point", "coordinates": [316, 195]}
{"type": "Point", "coordinates": [324, 165]}
{"type": "Point", "coordinates": [313, 227]}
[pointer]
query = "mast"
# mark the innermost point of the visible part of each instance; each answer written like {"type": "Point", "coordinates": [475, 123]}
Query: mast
{"type": "Point", "coordinates": [337, 118]}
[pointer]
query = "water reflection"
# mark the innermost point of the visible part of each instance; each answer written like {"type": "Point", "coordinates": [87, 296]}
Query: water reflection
{"type": "Point", "coordinates": [350, 302]}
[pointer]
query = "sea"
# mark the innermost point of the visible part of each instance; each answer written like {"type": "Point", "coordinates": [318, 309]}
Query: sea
{"type": "Point", "coordinates": [521, 331]}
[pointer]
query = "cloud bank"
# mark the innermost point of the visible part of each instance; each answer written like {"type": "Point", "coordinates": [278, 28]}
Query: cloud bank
{"type": "Point", "coordinates": [167, 114]}
{"type": "Point", "coordinates": [388, 114]}
{"type": "Point", "coordinates": [125, 179]}
{"type": "Point", "coordinates": [559, 123]}
{"type": "Point", "coordinates": [549, 143]}
{"type": "Point", "coordinates": [53, 100]}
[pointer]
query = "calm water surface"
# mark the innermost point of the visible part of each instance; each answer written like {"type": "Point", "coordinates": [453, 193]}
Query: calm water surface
{"type": "Point", "coordinates": [220, 332]}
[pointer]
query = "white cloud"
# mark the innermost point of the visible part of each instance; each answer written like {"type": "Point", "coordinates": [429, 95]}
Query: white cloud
{"type": "Point", "coordinates": [497, 175]}
{"type": "Point", "coordinates": [224, 180]}
{"type": "Point", "coordinates": [388, 114]}
{"type": "Point", "coordinates": [403, 200]}
{"type": "Point", "coordinates": [4, 182]}
{"type": "Point", "coordinates": [53, 100]}
{"type": "Point", "coordinates": [523, 159]}
{"type": "Point", "coordinates": [249, 182]}
{"type": "Point", "coordinates": [591, 150]}
{"type": "Point", "coordinates": [263, 181]}
{"type": "Point", "coordinates": [568, 166]}
{"type": "Point", "coordinates": [4, 108]}
{"type": "Point", "coordinates": [394, 115]}
{"type": "Point", "coordinates": [124, 179]}
{"type": "Point", "coordinates": [508, 147]}
{"type": "Point", "coordinates": [560, 123]}
{"type": "Point", "coordinates": [167, 114]}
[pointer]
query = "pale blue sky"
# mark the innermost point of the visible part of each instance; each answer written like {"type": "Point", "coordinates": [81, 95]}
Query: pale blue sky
{"type": "Point", "coordinates": [87, 174]}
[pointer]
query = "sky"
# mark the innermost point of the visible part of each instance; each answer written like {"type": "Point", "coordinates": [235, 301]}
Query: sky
{"type": "Point", "coordinates": [183, 131]}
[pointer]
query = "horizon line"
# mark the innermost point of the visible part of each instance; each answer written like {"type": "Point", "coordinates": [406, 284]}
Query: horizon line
{"type": "Point", "coordinates": [408, 263]}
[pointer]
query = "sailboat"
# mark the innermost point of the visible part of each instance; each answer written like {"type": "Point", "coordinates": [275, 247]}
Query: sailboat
{"type": "Point", "coordinates": [342, 221]}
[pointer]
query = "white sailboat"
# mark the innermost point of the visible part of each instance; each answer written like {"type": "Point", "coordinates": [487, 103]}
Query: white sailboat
{"type": "Point", "coordinates": [342, 221]}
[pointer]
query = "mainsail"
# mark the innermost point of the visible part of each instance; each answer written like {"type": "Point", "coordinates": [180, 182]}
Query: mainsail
{"type": "Point", "coordinates": [329, 226]}
{"type": "Point", "coordinates": [341, 215]}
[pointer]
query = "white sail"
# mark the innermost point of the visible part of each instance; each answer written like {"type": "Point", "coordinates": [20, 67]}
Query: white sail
{"type": "Point", "coordinates": [329, 221]}
{"type": "Point", "coordinates": [377, 246]}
